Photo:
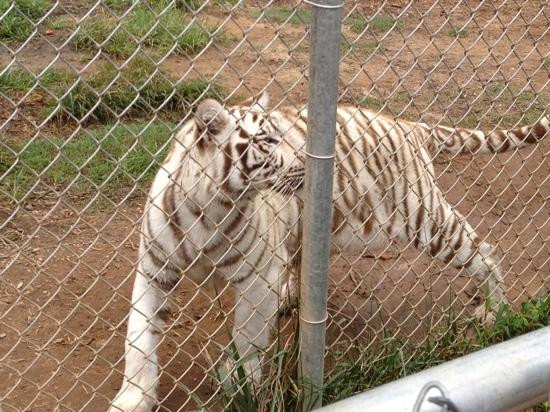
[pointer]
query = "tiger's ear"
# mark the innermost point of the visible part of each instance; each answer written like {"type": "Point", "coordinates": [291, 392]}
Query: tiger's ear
{"type": "Point", "coordinates": [263, 102]}
{"type": "Point", "coordinates": [211, 116]}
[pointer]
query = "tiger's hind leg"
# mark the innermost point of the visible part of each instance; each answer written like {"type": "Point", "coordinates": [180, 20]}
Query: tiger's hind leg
{"type": "Point", "coordinates": [485, 264]}
{"type": "Point", "coordinates": [446, 235]}
{"type": "Point", "coordinates": [153, 284]}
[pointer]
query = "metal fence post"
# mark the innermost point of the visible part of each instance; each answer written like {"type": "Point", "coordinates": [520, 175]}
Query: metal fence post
{"type": "Point", "coordinates": [323, 93]}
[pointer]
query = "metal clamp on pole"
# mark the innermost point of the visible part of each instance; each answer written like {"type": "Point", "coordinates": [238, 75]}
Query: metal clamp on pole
{"type": "Point", "coordinates": [320, 153]}
{"type": "Point", "coordinates": [314, 322]}
{"type": "Point", "coordinates": [324, 6]}
{"type": "Point", "coordinates": [316, 156]}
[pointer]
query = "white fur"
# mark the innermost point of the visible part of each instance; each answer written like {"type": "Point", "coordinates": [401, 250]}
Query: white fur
{"type": "Point", "coordinates": [377, 205]}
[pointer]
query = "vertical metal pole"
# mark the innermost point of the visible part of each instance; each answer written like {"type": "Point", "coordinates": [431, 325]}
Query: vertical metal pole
{"type": "Point", "coordinates": [323, 94]}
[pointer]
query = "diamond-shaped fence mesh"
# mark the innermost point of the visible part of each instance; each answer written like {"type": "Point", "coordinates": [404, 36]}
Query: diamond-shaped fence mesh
{"type": "Point", "coordinates": [92, 96]}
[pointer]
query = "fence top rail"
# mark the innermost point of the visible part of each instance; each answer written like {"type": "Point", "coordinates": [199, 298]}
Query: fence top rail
{"type": "Point", "coordinates": [510, 376]}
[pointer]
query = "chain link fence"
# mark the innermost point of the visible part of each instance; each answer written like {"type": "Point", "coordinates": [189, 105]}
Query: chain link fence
{"type": "Point", "coordinates": [92, 95]}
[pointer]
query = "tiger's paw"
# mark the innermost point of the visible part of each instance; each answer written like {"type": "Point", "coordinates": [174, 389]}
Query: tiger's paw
{"type": "Point", "coordinates": [132, 399]}
{"type": "Point", "coordinates": [484, 315]}
{"type": "Point", "coordinates": [231, 373]}
{"type": "Point", "coordinates": [289, 297]}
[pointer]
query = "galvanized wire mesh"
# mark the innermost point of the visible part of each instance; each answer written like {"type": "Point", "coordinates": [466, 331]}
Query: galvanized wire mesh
{"type": "Point", "coordinates": [91, 96]}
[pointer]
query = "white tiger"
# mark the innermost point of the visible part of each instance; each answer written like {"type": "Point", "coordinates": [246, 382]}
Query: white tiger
{"type": "Point", "coordinates": [226, 203]}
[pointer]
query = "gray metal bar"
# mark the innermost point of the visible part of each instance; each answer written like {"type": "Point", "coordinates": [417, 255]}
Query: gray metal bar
{"type": "Point", "coordinates": [323, 94]}
{"type": "Point", "coordinates": [510, 376]}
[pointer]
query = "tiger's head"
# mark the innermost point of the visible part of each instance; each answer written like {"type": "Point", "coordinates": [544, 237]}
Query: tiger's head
{"type": "Point", "coordinates": [248, 147]}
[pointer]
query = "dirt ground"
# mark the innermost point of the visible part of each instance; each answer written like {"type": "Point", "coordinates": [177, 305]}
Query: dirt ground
{"type": "Point", "coordinates": [66, 264]}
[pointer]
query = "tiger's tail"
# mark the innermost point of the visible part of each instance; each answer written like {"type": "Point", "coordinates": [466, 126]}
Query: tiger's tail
{"type": "Point", "coordinates": [459, 140]}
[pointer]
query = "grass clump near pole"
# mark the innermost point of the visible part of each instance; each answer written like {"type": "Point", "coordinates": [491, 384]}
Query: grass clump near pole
{"type": "Point", "coordinates": [378, 24]}
{"type": "Point", "coordinates": [354, 370]}
{"type": "Point", "coordinates": [284, 14]}
{"type": "Point", "coordinates": [357, 371]}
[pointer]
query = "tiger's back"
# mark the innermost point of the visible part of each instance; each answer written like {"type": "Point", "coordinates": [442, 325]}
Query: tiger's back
{"type": "Point", "coordinates": [384, 180]}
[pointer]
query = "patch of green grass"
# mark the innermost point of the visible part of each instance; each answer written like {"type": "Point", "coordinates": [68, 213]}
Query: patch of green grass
{"type": "Point", "coordinates": [284, 14]}
{"type": "Point", "coordinates": [546, 62]}
{"type": "Point", "coordinates": [112, 158]}
{"type": "Point", "coordinates": [17, 23]}
{"type": "Point", "coordinates": [190, 4]}
{"type": "Point", "coordinates": [372, 103]}
{"type": "Point", "coordinates": [63, 22]}
{"type": "Point", "coordinates": [399, 104]}
{"type": "Point", "coordinates": [510, 107]}
{"type": "Point", "coordinates": [498, 105]}
{"type": "Point", "coordinates": [16, 80]}
{"type": "Point", "coordinates": [379, 24]}
{"type": "Point", "coordinates": [171, 30]}
{"type": "Point", "coordinates": [156, 5]}
{"type": "Point", "coordinates": [117, 4]}
{"type": "Point", "coordinates": [33, 9]}
{"type": "Point", "coordinates": [163, 30]}
{"type": "Point", "coordinates": [280, 389]}
{"type": "Point", "coordinates": [385, 23]}
{"type": "Point", "coordinates": [356, 24]}
{"type": "Point", "coordinates": [458, 33]}
{"type": "Point", "coordinates": [20, 80]}
{"type": "Point", "coordinates": [102, 32]}
{"type": "Point", "coordinates": [137, 90]}
{"type": "Point", "coordinates": [543, 407]}
{"type": "Point", "coordinates": [229, 3]}
{"type": "Point", "coordinates": [355, 370]}
{"type": "Point", "coordinates": [54, 79]}
{"type": "Point", "coordinates": [497, 90]}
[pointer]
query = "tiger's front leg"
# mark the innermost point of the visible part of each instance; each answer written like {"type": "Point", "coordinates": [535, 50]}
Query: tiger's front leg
{"type": "Point", "coordinates": [152, 287]}
{"type": "Point", "coordinates": [257, 306]}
